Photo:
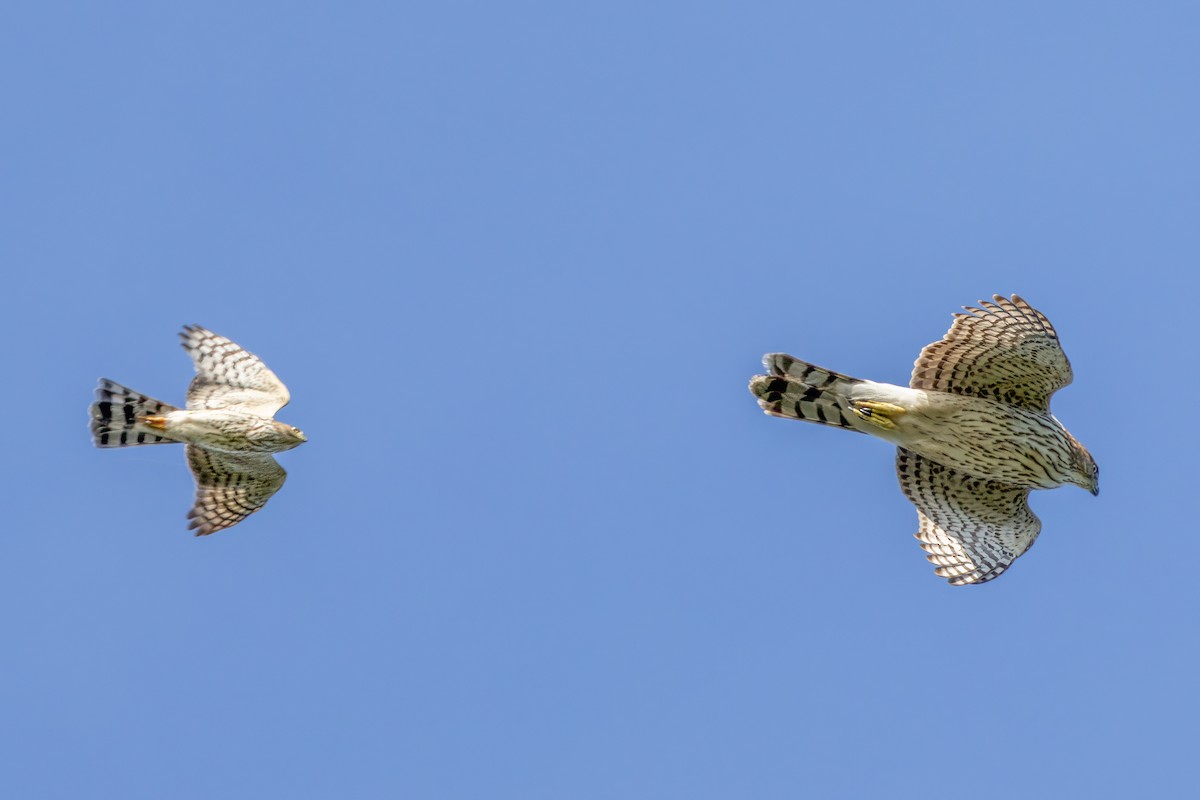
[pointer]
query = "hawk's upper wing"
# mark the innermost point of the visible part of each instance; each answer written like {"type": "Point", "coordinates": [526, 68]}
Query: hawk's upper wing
{"type": "Point", "coordinates": [227, 375]}
{"type": "Point", "coordinates": [230, 487]}
{"type": "Point", "coordinates": [972, 529]}
{"type": "Point", "coordinates": [1003, 351]}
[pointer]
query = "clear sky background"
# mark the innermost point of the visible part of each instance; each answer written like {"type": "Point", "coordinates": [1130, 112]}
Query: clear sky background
{"type": "Point", "coordinates": [516, 262]}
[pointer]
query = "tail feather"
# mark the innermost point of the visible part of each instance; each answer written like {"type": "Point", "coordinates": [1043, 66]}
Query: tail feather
{"type": "Point", "coordinates": [117, 416]}
{"type": "Point", "coordinates": [795, 389]}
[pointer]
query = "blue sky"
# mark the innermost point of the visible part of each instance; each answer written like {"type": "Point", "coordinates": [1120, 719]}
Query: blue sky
{"type": "Point", "coordinates": [516, 263]}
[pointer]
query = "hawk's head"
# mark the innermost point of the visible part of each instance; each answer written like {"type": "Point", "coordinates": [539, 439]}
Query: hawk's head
{"type": "Point", "coordinates": [284, 436]}
{"type": "Point", "coordinates": [1085, 473]}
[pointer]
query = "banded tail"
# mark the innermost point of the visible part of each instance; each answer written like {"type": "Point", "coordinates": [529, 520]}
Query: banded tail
{"type": "Point", "coordinates": [118, 414]}
{"type": "Point", "coordinates": [795, 389]}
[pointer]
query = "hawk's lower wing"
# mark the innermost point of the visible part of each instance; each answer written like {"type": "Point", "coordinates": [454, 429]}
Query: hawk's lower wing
{"type": "Point", "coordinates": [230, 487]}
{"type": "Point", "coordinates": [972, 529]}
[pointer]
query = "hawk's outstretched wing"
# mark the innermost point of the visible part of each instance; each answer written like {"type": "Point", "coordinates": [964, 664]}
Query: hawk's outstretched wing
{"type": "Point", "coordinates": [227, 375]}
{"type": "Point", "coordinates": [1005, 351]}
{"type": "Point", "coordinates": [972, 529]}
{"type": "Point", "coordinates": [230, 487]}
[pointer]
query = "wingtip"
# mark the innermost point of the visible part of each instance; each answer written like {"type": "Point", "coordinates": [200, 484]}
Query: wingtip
{"type": "Point", "coordinates": [201, 527]}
